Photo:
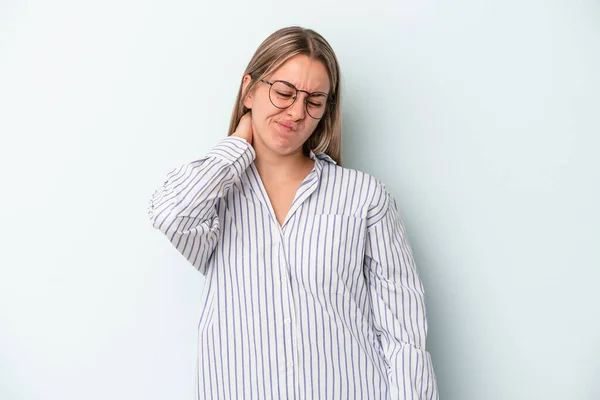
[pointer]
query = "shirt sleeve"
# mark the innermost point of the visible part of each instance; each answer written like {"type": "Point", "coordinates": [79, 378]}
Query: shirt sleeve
{"type": "Point", "coordinates": [398, 303]}
{"type": "Point", "coordinates": [184, 207]}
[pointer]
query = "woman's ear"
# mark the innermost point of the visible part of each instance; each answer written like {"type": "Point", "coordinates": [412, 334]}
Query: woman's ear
{"type": "Point", "coordinates": [248, 100]}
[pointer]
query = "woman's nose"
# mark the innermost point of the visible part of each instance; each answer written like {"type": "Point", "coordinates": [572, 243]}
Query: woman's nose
{"type": "Point", "coordinates": [298, 109]}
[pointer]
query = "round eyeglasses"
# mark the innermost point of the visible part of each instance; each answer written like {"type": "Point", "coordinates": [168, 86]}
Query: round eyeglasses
{"type": "Point", "coordinates": [283, 94]}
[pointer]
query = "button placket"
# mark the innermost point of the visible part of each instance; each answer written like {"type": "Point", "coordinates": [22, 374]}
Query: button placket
{"type": "Point", "coordinates": [289, 314]}
{"type": "Point", "coordinates": [286, 298]}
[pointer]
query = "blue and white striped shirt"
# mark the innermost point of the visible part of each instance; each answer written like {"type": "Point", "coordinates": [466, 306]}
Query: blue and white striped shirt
{"type": "Point", "coordinates": [327, 305]}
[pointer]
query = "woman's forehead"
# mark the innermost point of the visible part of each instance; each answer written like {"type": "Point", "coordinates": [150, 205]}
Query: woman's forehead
{"type": "Point", "coordinates": [304, 73]}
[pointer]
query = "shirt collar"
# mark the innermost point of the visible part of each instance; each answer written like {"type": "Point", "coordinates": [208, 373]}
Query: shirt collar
{"type": "Point", "coordinates": [307, 187]}
{"type": "Point", "coordinates": [322, 156]}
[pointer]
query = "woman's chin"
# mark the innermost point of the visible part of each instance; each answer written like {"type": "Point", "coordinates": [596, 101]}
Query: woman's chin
{"type": "Point", "coordinates": [283, 142]}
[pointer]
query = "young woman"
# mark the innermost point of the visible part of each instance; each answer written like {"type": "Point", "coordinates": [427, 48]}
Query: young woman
{"type": "Point", "coordinates": [311, 289]}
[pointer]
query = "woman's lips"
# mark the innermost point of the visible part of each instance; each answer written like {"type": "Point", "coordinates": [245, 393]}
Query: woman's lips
{"type": "Point", "coordinates": [287, 126]}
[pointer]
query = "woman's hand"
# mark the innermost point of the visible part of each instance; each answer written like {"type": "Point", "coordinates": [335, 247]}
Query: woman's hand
{"type": "Point", "coordinates": [244, 128]}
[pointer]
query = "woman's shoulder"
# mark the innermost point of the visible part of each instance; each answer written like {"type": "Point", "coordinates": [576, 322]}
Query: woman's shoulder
{"type": "Point", "coordinates": [364, 179]}
{"type": "Point", "coordinates": [364, 189]}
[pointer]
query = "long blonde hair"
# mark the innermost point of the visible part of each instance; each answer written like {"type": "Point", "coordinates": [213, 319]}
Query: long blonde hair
{"type": "Point", "coordinates": [276, 50]}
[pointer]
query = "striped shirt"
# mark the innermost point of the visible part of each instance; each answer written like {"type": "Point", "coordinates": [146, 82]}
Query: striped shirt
{"type": "Point", "coordinates": [327, 305]}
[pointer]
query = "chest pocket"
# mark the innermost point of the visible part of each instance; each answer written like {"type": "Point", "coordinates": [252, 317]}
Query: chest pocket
{"type": "Point", "coordinates": [329, 253]}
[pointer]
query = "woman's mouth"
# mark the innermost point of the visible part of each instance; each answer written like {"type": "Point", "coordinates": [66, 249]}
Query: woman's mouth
{"type": "Point", "coordinates": [287, 127]}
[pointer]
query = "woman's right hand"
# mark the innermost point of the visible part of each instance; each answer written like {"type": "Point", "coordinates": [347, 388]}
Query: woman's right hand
{"type": "Point", "coordinates": [244, 128]}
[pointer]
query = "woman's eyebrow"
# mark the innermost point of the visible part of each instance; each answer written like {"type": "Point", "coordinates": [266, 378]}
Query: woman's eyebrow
{"type": "Point", "coordinates": [315, 91]}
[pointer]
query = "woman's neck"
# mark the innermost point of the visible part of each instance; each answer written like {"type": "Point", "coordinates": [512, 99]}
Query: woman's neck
{"type": "Point", "coordinates": [276, 168]}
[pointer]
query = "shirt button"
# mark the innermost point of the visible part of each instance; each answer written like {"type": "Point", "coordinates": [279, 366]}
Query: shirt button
{"type": "Point", "coordinates": [290, 365]}
{"type": "Point", "coordinates": [287, 321]}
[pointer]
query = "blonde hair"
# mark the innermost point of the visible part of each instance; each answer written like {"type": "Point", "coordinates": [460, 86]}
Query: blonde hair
{"type": "Point", "coordinates": [276, 50]}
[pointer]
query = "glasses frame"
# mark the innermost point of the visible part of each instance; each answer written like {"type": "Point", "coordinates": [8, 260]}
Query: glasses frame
{"type": "Point", "coordinates": [328, 100]}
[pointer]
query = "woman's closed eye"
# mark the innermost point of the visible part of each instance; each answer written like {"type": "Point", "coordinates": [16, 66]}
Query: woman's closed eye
{"type": "Point", "coordinates": [285, 95]}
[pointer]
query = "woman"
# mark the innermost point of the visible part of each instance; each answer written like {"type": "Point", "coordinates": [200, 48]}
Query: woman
{"type": "Point", "coordinates": [311, 289]}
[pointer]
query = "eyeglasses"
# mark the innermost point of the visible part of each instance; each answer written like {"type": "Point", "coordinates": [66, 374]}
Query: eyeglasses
{"type": "Point", "coordinates": [283, 94]}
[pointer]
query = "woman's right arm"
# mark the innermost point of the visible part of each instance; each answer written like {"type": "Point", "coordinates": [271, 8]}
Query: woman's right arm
{"type": "Point", "coordinates": [184, 206]}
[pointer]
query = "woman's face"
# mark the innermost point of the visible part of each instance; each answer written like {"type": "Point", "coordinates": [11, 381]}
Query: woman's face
{"type": "Point", "coordinates": [284, 131]}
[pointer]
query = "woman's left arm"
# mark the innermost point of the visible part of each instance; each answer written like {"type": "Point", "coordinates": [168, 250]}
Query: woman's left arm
{"type": "Point", "coordinates": [398, 303]}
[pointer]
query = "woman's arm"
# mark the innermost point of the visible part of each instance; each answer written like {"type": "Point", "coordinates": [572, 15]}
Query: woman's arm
{"type": "Point", "coordinates": [398, 303]}
{"type": "Point", "coordinates": [184, 206]}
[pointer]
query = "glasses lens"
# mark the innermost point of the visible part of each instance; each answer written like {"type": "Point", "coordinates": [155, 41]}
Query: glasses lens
{"type": "Point", "coordinates": [282, 95]}
{"type": "Point", "coordinates": [315, 105]}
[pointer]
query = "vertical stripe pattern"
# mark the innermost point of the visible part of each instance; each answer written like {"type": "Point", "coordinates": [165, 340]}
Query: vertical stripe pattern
{"type": "Point", "coordinates": [327, 305]}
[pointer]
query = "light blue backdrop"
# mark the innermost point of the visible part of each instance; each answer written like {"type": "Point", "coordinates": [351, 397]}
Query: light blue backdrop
{"type": "Point", "coordinates": [482, 117]}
